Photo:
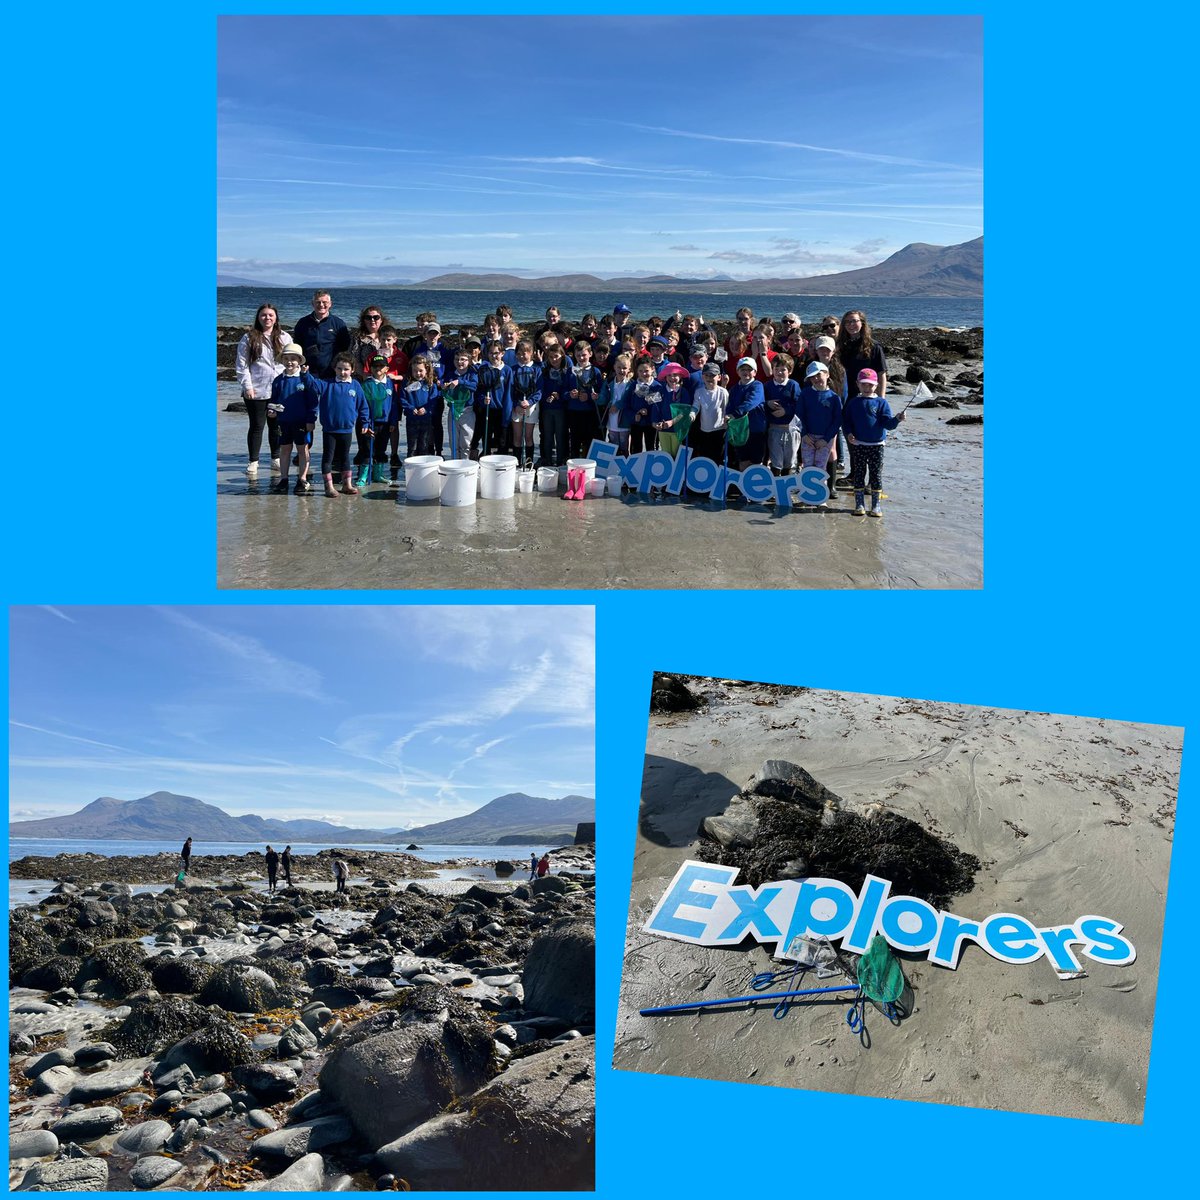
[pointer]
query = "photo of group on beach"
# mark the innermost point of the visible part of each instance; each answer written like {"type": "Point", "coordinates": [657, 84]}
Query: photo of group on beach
{"type": "Point", "coordinates": [714, 396]}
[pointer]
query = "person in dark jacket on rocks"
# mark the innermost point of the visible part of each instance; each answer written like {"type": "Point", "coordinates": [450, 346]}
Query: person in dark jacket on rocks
{"type": "Point", "coordinates": [272, 868]}
{"type": "Point", "coordinates": [285, 861]}
{"type": "Point", "coordinates": [185, 855]}
{"type": "Point", "coordinates": [533, 864]}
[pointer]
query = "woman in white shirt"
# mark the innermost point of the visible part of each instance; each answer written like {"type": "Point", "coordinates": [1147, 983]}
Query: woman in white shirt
{"type": "Point", "coordinates": [259, 360]}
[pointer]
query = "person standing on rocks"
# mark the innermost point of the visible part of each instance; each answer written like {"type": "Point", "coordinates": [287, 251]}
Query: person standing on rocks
{"type": "Point", "coordinates": [533, 865]}
{"type": "Point", "coordinates": [543, 867]}
{"type": "Point", "coordinates": [285, 861]}
{"type": "Point", "coordinates": [341, 873]}
{"type": "Point", "coordinates": [272, 868]}
{"type": "Point", "coordinates": [185, 856]}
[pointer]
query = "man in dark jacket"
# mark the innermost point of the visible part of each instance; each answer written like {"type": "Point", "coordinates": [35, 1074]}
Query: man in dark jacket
{"type": "Point", "coordinates": [322, 336]}
{"type": "Point", "coordinates": [272, 868]}
{"type": "Point", "coordinates": [285, 861]}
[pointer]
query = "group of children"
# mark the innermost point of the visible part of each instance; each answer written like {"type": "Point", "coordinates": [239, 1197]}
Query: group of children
{"type": "Point", "coordinates": [640, 387]}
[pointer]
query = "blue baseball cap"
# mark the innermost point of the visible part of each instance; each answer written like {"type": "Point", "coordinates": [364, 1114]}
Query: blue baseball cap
{"type": "Point", "coordinates": [622, 308]}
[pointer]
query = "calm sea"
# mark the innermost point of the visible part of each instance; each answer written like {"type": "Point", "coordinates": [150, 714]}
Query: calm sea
{"type": "Point", "coordinates": [237, 305]}
{"type": "Point", "coordinates": [20, 847]}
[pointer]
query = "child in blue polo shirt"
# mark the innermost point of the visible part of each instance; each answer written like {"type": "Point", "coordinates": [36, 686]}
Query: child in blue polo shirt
{"type": "Point", "coordinates": [343, 403]}
{"type": "Point", "coordinates": [380, 391]}
{"type": "Point", "coordinates": [493, 402]}
{"type": "Point", "coordinates": [558, 382]}
{"type": "Point", "coordinates": [747, 399]}
{"type": "Point", "coordinates": [295, 398]}
{"type": "Point", "coordinates": [866, 420]}
{"type": "Point", "coordinates": [418, 400]}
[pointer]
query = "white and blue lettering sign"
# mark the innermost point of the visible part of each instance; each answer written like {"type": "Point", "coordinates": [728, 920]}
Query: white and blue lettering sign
{"type": "Point", "coordinates": [656, 468]}
{"type": "Point", "coordinates": [702, 905]}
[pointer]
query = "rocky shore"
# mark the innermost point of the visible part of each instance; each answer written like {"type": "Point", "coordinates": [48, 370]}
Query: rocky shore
{"type": "Point", "coordinates": [213, 1037]}
{"type": "Point", "coordinates": [949, 362]}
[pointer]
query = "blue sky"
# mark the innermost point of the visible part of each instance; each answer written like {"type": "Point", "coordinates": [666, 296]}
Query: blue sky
{"type": "Point", "coordinates": [367, 716]}
{"type": "Point", "coordinates": [769, 145]}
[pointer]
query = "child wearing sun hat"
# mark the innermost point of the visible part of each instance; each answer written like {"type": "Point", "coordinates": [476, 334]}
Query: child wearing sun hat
{"type": "Point", "coordinates": [866, 420]}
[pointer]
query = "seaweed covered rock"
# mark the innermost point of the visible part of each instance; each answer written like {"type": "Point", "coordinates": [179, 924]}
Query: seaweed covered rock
{"type": "Point", "coordinates": [152, 1025]}
{"type": "Point", "coordinates": [116, 970]}
{"type": "Point", "coordinates": [28, 943]}
{"type": "Point", "coordinates": [536, 1121]}
{"type": "Point", "coordinates": [57, 972]}
{"type": "Point", "coordinates": [181, 975]}
{"type": "Point", "coordinates": [560, 974]}
{"type": "Point", "coordinates": [786, 825]}
{"type": "Point", "coordinates": [670, 694]}
{"type": "Point", "coordinates": [240, 986]}
{"type": "Point", "coordinates": [388, 1083]}
{"type": "Point", "coordinates": [217, 1046]}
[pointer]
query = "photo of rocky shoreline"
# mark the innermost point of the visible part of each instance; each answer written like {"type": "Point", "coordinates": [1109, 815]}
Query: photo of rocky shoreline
{"type": "Point", "coordinates": [973, 810]}
{"type": "Point", "coordinates": [415, 1032]}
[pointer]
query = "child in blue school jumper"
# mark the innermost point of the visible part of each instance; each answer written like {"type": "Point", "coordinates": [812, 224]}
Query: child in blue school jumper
{"type": "Point", "coordinates": [380, 389]}
{"type": "Point", "coordinates": [460, 385]}
{"type": "Point", "coordinates": [646, 391]}
{"type": "Point", "coordinates": [747, 398]}
{"type": "Point", "coordinates": [613, 405]}
{"type": "Point", "coordinates": [418, 401]}
{"type": "Point", "coordinates": [343, 404]}
{"type": "Point", "coordinates": [782, 398]}
{"type": "Point", "coordinates": [866, 420]}
{"type": "Point", "coordinates": [581, 405]}
{"type": "Point", "coordinates": [295, 398]}
{"type": "Point", "coordinates": [820, 413]}
{"type": "Point", "coordinates": [558, 382]}
{"type": "Point", "coordinates": [493, 402]}
{"type": "Point", "coordinates": [526, 392]}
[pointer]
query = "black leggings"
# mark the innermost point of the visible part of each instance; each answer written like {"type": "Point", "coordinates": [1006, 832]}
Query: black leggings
{"type": "Point", "coordinates": [256, 410]}
{"type": "Point", "coordinates": [581, 429]}
{"type": "Point", "coordinates": [335, 452]}
{"type": "Point", "coordinates": [862, 459]}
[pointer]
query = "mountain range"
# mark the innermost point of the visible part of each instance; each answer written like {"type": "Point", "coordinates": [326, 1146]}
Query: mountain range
{"type": "Point", "coordinates": [167, 816]}
{"type": "Point", "coordinates": [918, 269]}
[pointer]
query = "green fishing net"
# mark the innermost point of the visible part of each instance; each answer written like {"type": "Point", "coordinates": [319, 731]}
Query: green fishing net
{"type": "Point", "coordinates": [737, 430]}
{"type": "Point", "coordinates": [879, 973]}
{"type": "Point", "coordinates": [682, 415]}
{"type": "Point", "coordinates": [459, 398]}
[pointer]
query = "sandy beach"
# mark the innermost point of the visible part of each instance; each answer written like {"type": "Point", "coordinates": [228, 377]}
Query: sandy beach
{"type": "Point", "coordinates": [931, 537]}
{"type": "Point", "coordinates": [1067, 816]}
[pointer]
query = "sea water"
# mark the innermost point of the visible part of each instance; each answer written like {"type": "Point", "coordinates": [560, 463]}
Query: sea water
{"type": "Point", "coordinates": [237, 305]}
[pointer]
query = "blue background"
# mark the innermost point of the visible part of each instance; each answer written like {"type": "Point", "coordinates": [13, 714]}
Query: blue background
{"type": "Point", "coordinates": [1088, 605]}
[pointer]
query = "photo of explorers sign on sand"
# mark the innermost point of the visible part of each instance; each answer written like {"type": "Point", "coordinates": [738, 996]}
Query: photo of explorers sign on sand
{"type": "Point", "coordinates": [574, 323]}
{"type": "Point", "coordinates": [898, 898]}
{"type": "Point", "coordinates": [267, 933]}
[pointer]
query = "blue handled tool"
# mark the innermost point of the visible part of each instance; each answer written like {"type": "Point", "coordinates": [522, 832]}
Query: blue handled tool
{"type": "Point", "coordinates": [670, 1008]}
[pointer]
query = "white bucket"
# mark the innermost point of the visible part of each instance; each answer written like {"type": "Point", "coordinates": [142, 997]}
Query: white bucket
{"type": "Point", "coordinates": [586, 465]}
{"type": "Point", "coordinates": [614, 484]}
{"type": "Point", "coordinates": [547, 479]}
{"type": "Point", "coordinates": [497, 476]}
{"type": "Point", "coordinates": [596, 487]}
{"type": "Point", "coordinates": [525, 480]}
{"type": "Point", "coordinates": [421, 478]}
{"type": "Point", "coordinates": [458, 482]}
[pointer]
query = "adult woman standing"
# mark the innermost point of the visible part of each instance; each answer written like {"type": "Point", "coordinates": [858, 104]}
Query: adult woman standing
{"type": "Point", "coordinates": [858, 349]}
{"type": "Point", "coordinates": [259, 359]}
{"type": "Point", "coordinates": [364, 341]}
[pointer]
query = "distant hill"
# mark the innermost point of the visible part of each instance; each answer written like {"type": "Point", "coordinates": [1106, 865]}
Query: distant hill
{"type": "Point", "coordinates": [167, 816]}
{"type": "Point", "coordinates": [511, 816]}
{"type": "Point", "coordinates": [919, 269]}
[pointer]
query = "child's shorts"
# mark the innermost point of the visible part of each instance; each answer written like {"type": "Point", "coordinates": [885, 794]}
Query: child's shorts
{"type": "Point", "coordinates": [294, 434]}
{"type": "Point", "coordinates": [528, 416]}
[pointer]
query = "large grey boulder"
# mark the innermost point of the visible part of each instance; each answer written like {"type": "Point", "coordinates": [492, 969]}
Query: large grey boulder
{"type": "Point", "coordinates": [240, 987]}
{"type": "Point", "coordinates": [104, 1084]}
{"type": "Point", "coordinates": [389, 1082]}
{"type": "Point", "coordinates": [55, 1081]}
{"type": "Point", "coordinates": [305, 1175]}
{"type": "Point", "coordinates": [67, 1175]}
{"type": "Point", "coordinates": [88, 1124]}
{"type": "Point", "coordinates": [269, 1082]}
{"type": "Point", "coordinates": [147, 1138]}
{"type": "Point", "coordinates": [154, 1171]}
{"type": "Point", "coordinates": [32, 1143]}
{"type": "Point", "coordinates": [298, 1140]}
{"type": "Point", "coordinates": [560, 974]}
{"type": "Point", "coordinates": [535, 1123]}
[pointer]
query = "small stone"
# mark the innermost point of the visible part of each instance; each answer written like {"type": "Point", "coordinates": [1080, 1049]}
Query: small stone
{"type": "Point", "coordinates": [67, 1175]}
{"type": "Point", "coordinates": [89, 1124]}
{"type": "Point", "coordinates": [148, 1138]}
{"type": "Point", "coordinates": [154, 1171]}
{"type": "Point", "coordinates": [32, 1143]}
{"type": "Point", "coordinates": [208, 1107]}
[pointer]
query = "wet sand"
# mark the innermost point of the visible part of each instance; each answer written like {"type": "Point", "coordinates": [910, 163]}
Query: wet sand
{"type": "Point", "coordinates": [1068, 815]}
{"type": "Point", "coordinates": [931, 536]}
